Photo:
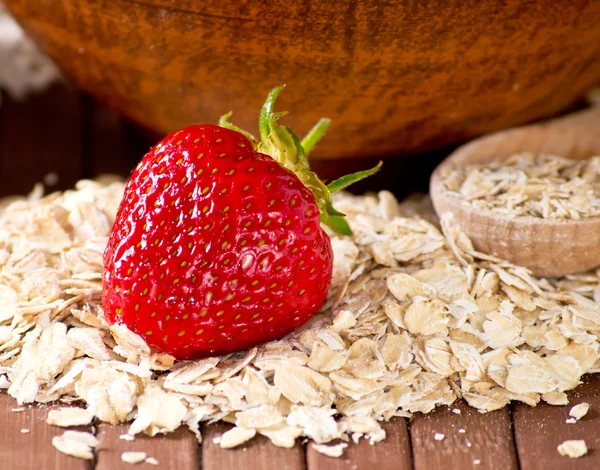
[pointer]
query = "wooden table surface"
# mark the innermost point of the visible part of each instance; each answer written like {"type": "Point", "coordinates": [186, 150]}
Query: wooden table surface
{"type": "Point", "coordinates": [67, 133]}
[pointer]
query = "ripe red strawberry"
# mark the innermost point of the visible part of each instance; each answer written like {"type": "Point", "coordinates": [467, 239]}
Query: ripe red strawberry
{"type": "Point", "coordinates": [217, 247]}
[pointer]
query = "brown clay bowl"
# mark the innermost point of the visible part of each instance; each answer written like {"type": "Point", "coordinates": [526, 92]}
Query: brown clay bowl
{"type": "Point", "coordinates": [397, 77]}
{"type": "Point", "coordinates": [549, 247]}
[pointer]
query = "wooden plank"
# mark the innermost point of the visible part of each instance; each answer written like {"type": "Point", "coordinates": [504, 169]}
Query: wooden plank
{"type": "Point", "coordinates": [486, 442]}
{"type": "Point", "coordinates": [391, 454]}
{"type": "Point", "coordinates": [257, 454]}
{"type": "Point", "coordinates": [41, 135]}
{"type": "Point", "coordinates": [32, 450]}
{"type": "Point", "coordinates": [174, 451]}
{"type": "Point", "coordinates": [539, 430]}
{"type": "Point", "coordinates": [115, 144]}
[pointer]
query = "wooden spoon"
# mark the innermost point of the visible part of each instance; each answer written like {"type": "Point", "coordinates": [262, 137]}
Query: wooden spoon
{"type": "Point", "coordinates": [547, 247]}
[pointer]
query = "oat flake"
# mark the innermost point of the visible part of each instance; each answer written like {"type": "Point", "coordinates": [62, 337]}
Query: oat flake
{"type": "Point", "coordinates": [133, 457]}
{"type": "Point", "coordinates": [573, 448]}
{"type": "Point", "coordinates": [69, 416]}
{"type": "Point", "coordinates": [330, 451]}
{"type": "Point", "coordinates": [236, 436]}
{"type": "Point", "coordinates": [579, 411]}
{"type": "Point", "coordinates": [76, 443]}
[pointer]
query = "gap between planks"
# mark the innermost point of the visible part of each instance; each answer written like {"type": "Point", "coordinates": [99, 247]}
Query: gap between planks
{"type": "Point", "coordinates": [32, 450]}
{"type": "Point", "coordinates": [260, 454]}
{"type": "Point", "coordinates": [178, 450]}
{"type": "Point", "coordinates": [471, 440]}
{"type": "Point", "coordinates": [486, 443]}
{"type": "Point", "coordinates": [539, 430]}
{"type": "Point", "coordinates": [257, 454]}
{"type": "Point", "coordinates": [391, 454]}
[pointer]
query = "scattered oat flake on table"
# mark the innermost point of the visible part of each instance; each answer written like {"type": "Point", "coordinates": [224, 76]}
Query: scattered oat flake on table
{"type": "Point", "coordinates": [25, 431]}
{"type": "Point", "coordinates": [570, 421]}
{"type": "Point", "coordinates": [69, 416]}
{"type": "Point", "coordinates": [152, 461]}
{"type": "Point", "coordinates": [456, 411]}
{"type": "Point", "coordinates": [133, 457]}
{"type": "Point", "coordinates": [127, 437]}
{"type": "Point", "coordinates": [476, 462]}
{"type": "Point", "coordinates": [76, 443]}
{"type": "Point", "coordinates": [573, 448]}
{"type": "Point", "coordinates": [556, 398]}
{"type": "Point", "coordinates": [336, 450]}
{"type": "Point", "coordinates": [579, 411]}
{"type": "Point", "coordinates": [438, 436]}
{"type": "Point", "coordinates": [236, 436]}
{"type": "Point", "coordinates": [4, 383]}
{"type": "Point", "coordinates": [17, 410]}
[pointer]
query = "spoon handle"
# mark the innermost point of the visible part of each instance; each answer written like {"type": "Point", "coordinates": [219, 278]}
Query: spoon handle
{"type": "Point", "coordinates": [588, 120]}
{"type": "Point", "coordinates": [575, 136]}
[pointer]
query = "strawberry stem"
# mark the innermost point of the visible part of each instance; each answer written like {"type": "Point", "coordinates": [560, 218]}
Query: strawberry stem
{"type": "Point", "coordinates": [286, 148]}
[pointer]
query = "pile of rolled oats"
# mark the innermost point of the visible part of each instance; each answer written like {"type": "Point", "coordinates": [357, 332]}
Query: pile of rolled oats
{"type": "Point", "coordinates": [527, 184]}
{"type": "Point", "coordinates": [416, 318]}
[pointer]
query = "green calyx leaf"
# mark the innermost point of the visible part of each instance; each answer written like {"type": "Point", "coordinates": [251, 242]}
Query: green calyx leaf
{"type": "Point", "coordinates": [285, 147]}
{"type": "Point", "coordinates": [224, 122]}
{"type": "Point", "coordinates": [315, 134]}
{"type": "Point", "coordinates": [345, 181]}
